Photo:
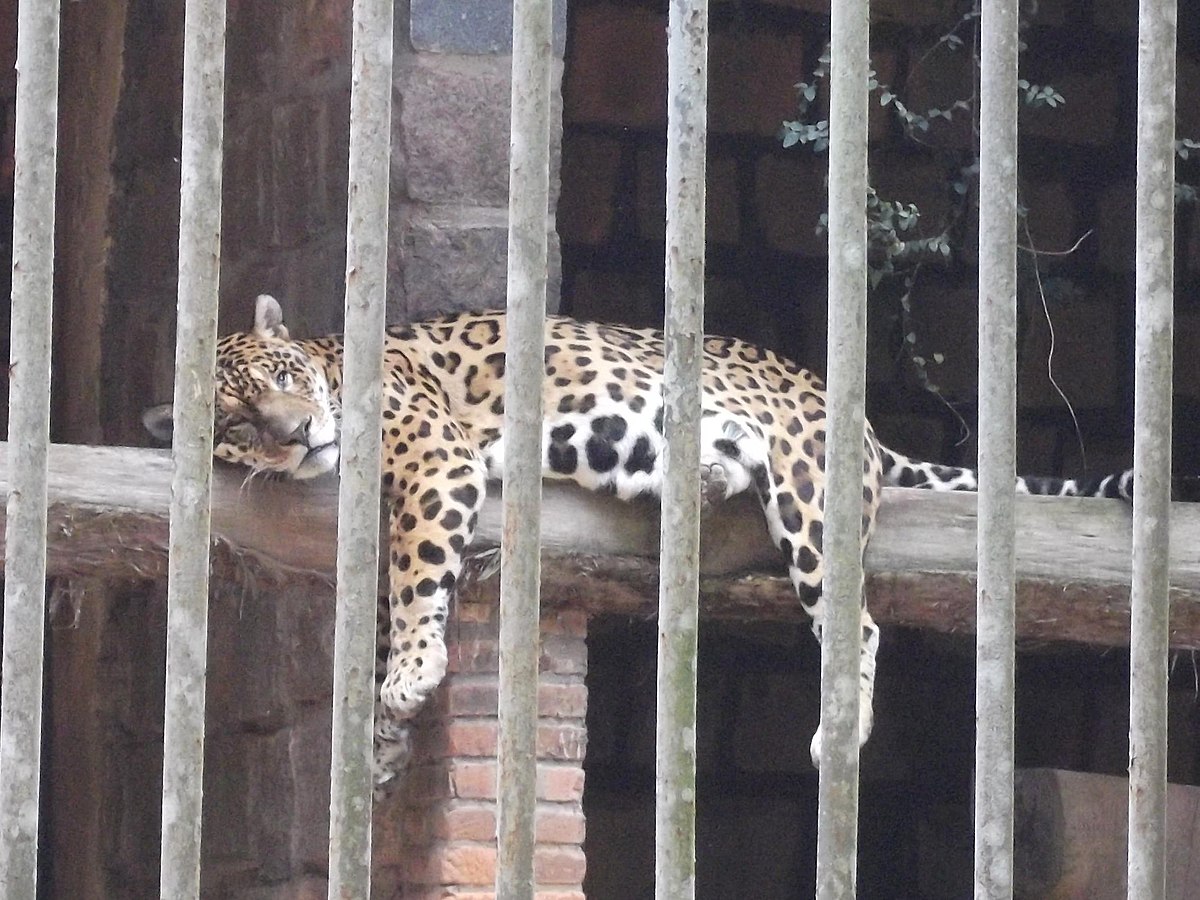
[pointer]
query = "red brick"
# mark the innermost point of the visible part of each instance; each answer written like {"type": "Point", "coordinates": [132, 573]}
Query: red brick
{"type": "Point", "coordinates": [476, 780]}
{"type": "Point", "coordinates": [791, 195]}
{"type": "Point", "coordinates": [304, 889]}
{"type": "Point", "coordinates": [565, 621]}
{"type": "Point", "coordinates": [473, 780]}
{"type": "Point", "coordinates": [458, 821]}
{"type": "Point", "coordinates": [469, 697]}
{"type": "Point", "coordinates": [471, 657]}
{"type": "Point", "coordinates": [458, 863]}
{"type": "Point", "coordinates": [561, 742]}
{"type": "Point", "coordinates": [470, 738]}
{"type": "Point", "coordinates": [563, 701]}
{"type": "Point", "coordinates": [751, 78]}
{"type": "Point", "coordinates": [560, 783]}
{"type": "Point", "coordinates": [475, 697]}
{"type": "Point", "coordinates": [722, 215]}
{"type": "Point", "coordinates": [1085, 343]}
{"type": "Point", "coordinates": [447, 892]}
{"type": "Point", "coordinates": [618, 66]}
{"type": "Point", "coordinates": [480, 738]}
{"type": "Point", "coordinates": [559, 865]}
{"type": "Point", "coordinates": [589, 180]}
{"type": "Point", "coordinates": [562, 655]}
{"type": "Point", "coordinates": [560, 824]}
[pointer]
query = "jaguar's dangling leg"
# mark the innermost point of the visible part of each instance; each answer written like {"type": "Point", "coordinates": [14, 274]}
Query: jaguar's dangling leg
{"type": "Point", "coordinates": [435, 481]}
{"type": "Point", "coordinates": [794, 514]}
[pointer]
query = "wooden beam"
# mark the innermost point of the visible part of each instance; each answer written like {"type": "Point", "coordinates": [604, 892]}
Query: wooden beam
{"type": "Point", "coordinates": [108, 518]}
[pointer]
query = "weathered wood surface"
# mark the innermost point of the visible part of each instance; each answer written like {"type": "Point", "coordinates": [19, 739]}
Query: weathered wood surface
{"type": "Point", "coordinates": [109, 508]}
{"type": "Point", "coordinates": [1072, 836]}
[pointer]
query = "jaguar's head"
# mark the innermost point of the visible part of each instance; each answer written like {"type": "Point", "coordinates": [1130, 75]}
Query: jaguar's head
{"type": "Point", "coordinates": [273, 409]}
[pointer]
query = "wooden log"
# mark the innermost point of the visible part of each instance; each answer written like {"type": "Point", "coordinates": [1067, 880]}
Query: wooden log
{"type": "Point", "coordinates": [1071, 836]}
{"type": "Point", "coordinates": [108, 518]}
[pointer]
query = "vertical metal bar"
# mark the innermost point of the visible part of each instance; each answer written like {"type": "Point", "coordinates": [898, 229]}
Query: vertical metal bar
{"type": "Point", "coordinates": [360, 462]}
{"type": "Point", "coordinates": [687, 131]}
{"type": "Point", "coordinates": [996, 555]}
{"type": "Point", "coordinates": [192, 444]}
{"type": "Point", "coordinates": [520, 575]}
{"type": "Point", "coordinates": [837, 824]}
{"type": "Point", "coordinates": [29, 441]}
{"type": "Point", "coordinates": [1149, 644]}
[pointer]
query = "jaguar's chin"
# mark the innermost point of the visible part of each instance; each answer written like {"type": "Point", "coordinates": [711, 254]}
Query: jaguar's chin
{"type": "Point", "coordinates": [318, 461]}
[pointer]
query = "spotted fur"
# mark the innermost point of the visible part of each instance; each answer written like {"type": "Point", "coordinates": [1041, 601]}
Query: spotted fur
{"type": "Point", "coordinates": [763, 431]}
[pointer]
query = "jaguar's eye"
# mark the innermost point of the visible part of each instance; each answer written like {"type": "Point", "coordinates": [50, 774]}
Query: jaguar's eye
{"type": "Point", "coordinates": [283, 378]}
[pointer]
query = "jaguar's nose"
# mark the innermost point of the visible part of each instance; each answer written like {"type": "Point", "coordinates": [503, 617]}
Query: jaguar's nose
{"type": "Point", "coordinates": [301, 432]}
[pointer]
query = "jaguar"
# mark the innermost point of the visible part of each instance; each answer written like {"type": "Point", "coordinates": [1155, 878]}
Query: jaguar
{"type": "Point", "coordinates": [763, 430]}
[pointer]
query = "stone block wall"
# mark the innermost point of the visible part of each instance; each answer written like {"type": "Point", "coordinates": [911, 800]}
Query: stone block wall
{"type": "Point", "coordinates": [449, 229]}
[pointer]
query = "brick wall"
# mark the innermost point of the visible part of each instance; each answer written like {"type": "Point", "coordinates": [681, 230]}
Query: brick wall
{"type": "Point", "coordinates": [766, 263]}
{"type": "Point", "coordinates": [288, 98]}
{"type": "Point", "coordinates": [436, 837]}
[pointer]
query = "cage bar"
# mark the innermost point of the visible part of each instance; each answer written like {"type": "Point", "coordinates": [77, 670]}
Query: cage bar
{"type": "Point", "coordinates": [675, 766]}
{"type": "Point", "coordinates": [837, 819]}
{"type": "Point", "coordinates": [996, 540]}
{"type": "Point", "coordinates": [1149, 595]}
{"type": "Point", "coordinates": [360, 462]}
{"type": "Point", "coordinates": [29, 442]}
{"type": "Point", "coordinates": [192, 444]}
{"type": "Point", "coordinates": [520, 574]}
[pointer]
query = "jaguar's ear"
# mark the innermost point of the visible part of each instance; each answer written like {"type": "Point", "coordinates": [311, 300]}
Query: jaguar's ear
{"type": "Point", "coordinates": [268, 318]}
{"type": "Point", "coordinates": [158, 420]}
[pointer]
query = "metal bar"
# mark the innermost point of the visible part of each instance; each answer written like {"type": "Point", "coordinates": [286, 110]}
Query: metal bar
{"type": "Point", "coordinates": [995, 653]}
{"type": "Point", "coordinates": [520, 574]}
{"type": "Point", "coordinates": [1154, 264]}
{"type": "Point", "coordinates": [192, 445]}
{"type": "Point", "coordinates": [837, 821]}
{"type": "Point", "coordinates": [29, 442]}
{"type": "Point", "coordinates": [360, 463]}
{"type": "Point", "coordinates": [675, 767]}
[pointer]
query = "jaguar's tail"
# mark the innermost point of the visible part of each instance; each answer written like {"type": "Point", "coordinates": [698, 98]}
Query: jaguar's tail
{"type": "Point", "coordinates": [900, 471]}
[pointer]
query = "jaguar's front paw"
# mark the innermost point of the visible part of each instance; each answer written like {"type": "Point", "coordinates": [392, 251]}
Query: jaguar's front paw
{"type": "Point", "coordinates": [392, 750]}
{"type": "Point", "coordinates": [865, 720]}
{"type": "Point", "coordinates": [411, 678]}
